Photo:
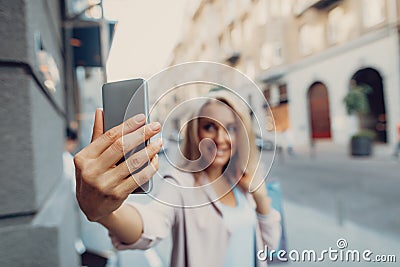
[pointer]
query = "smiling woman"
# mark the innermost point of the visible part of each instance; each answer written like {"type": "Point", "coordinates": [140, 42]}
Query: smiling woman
{"type": "Point", "coordinates": [225, 121]}
{"type": "Point", "coordinates": [235, 221]}
{"type": "Point", "coordinates": [220, 152]}
{"type": "Point", "coordinates": [218, 123]}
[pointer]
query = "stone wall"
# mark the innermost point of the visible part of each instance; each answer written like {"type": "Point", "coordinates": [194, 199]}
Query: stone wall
{"type": "Point", "coordinates": [37, 208]}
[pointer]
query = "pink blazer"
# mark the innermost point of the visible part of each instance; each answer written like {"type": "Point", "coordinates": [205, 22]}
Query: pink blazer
{"type": "Point", "coordinates": [199, 235]}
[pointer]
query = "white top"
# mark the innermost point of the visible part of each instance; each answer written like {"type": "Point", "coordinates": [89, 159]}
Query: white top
{"type": "Point", "coordinates": [241, 221]}
{"type": "Point", "coordinates": [200, 236]}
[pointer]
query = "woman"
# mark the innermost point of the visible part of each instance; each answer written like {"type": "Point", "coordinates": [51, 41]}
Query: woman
{"type": "Point", "coordinates": [227, 232]}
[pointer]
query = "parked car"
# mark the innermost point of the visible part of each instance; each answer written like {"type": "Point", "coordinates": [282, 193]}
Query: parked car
{"type": "Point", "coordinates": [264, 144]}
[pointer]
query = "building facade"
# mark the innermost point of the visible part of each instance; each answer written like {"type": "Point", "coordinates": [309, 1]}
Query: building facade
{"type": "Point", "coordinates": [37, 212]}
{"type": "Point", "coordinates": [39, 98]}
{"type": "Point", "coordinates": [304, 55]}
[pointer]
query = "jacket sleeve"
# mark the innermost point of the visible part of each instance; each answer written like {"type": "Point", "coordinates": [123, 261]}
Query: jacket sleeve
{"type": "Point", "coordinates": [270, 226]}
{"type": "Point", "coordinates": [158, 219]}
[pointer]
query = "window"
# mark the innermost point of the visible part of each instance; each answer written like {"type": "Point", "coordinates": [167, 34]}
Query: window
{"type": "Point", "coordinates": [262, 12]}
{"type": "Point", "coordinates": [267, 94]}
{"type": "Point", "coordinates": [247, 29]}
{"type": "Point", "coordinates": [341, 25]}
{"type": "Point", "coordinates": [230, 11]}
{"type": "Point", "coordinates": [271, 54]}
{"type": "Point", "coordinates": [286, 7]}
{"type": "Point", "coordinates": [277, 57]}
{"type": "Point", "coordinates": [373, 12]}
{"type": "Point", "coordinates": [250, 70]}
{"type": "Point", "coordinates": [302, 5]}
{"type": "Point", "coordinates": [275, 8]}
{"type": "Point", "coordinates": [275, 95]}
{"type": "Point", "coordinates": [244, 3]}
{"type": "Point", "coordinates": [305, 46]}
{"type": "Point", "coordinates": [279, 8]}
{"type": "Point", "coordinates": [278, 115]}
{"type": "Point", "coordinates": [224, 43]}
{"type": "Point", "coordinates": [335, 17]}
{"type": "Point", "coordinates": [283, 96]}
{"type": "Point", "coordinates": [311, 38]}
{"type": "Point", "coordinates": [265, 60]}
{"type": "Point", "coordinates": [236, 36]}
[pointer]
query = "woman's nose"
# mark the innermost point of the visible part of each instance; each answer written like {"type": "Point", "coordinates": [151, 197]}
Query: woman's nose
{"type": "Point", "coordinates": [222, 136]}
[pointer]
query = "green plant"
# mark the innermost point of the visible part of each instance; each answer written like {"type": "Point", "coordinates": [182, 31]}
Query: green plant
{"type": "Point", "coordinates": [356, 100]}
{"type": "Point", "coordinates": [365, 133]}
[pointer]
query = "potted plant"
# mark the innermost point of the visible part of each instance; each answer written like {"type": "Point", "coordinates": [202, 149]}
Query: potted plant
{"type": "Point", "coordinates": [356, 102]}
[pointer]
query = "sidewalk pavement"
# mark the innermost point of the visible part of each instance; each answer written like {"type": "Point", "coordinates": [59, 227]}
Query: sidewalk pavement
{"type": "Point", "coordinates": [308, 229]}
{"type": "Point", "coordinates": [362, 190]}
{"type": "Point", "coordinates": [330, 150]}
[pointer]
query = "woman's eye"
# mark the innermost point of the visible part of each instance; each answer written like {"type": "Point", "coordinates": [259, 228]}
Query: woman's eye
{"type": "Point", "coordinates": [209, 127]}
{"type": "Point", "coordinates": [232, 129]}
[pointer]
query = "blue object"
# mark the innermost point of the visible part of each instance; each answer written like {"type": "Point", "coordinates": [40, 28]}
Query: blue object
{"type": "Point", "coordinates": [275, 193]}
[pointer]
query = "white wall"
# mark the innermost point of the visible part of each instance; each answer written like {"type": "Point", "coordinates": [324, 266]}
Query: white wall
{"type": "Point", "coordinates": [335, 71]}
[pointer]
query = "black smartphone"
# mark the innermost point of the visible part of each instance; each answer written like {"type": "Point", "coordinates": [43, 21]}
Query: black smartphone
{"type": "Point", "coordinates": [121, 101]}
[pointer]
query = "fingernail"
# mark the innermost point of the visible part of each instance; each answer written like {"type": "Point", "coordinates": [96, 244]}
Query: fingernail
{"type": "Point", "coordinates": [139, 118]}
{"type": "Point", "coordinates": [154, 159]}
{"type": "Point", "coordinates": [155, 126]}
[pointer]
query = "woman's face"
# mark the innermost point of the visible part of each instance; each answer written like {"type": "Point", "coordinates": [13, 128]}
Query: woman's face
{"type": "Point", "coordinates": [218, 123]}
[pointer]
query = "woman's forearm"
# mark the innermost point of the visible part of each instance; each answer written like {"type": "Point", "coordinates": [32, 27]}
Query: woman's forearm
{"type": "Point", "coordinates": [125, 223]}
{"type": "Point", "coordinates": [263, 204]}
{"type": "Point", "coordinates": [263, 201]}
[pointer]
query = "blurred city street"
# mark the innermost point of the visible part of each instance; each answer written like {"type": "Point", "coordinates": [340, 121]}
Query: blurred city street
{"type": "Point", "coordinates": [327, 195]}
{"type": "Point", "coordinates": [363, 191]}
{"type": "Point", "coordinates": [319, 77]}
{"type": "Point", "coordinates": [331, 195]}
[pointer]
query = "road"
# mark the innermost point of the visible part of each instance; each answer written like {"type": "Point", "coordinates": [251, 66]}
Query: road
{"type": "Point", "coordinates": [364, 191]}
{"type": "Point", "coordinates": [326, 196]}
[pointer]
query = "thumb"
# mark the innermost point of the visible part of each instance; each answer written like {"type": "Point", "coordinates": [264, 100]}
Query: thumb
{"type": "Point", "coordinates": [98, 127]}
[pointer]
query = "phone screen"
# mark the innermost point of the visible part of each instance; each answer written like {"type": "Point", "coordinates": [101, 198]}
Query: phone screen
{"type": "Point", "coordinates": [122, 100]}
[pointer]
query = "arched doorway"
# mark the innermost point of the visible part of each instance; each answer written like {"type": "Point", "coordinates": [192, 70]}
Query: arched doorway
{"type": "Point", "coordinates": [376, 119]}
{"type": "Point", "coordinates": [320, 119]}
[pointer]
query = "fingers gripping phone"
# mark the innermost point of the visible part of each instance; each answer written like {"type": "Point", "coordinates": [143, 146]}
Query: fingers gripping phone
{"type": "Point", "coordinates": [121, 101]}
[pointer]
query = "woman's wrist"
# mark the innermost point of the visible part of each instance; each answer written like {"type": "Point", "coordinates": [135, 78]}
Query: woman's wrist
{"type": "Point", "coordinates": [260, 192]}
{"type": "Point", "coordinates": [263, 201]}
{"type": "Point", "coordinates": [258, 197]}
{"type": "Point", "coordinates": [108, 220]}
{"type": "Point", "coordinates": [124, 223]}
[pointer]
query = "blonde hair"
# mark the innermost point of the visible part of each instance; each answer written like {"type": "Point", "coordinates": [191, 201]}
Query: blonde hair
{"type": "Point", "coordinates": [246, 157]}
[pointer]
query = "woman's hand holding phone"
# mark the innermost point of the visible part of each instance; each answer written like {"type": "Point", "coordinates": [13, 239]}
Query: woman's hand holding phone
{"type": "Point", "coordinates": [101, 185]}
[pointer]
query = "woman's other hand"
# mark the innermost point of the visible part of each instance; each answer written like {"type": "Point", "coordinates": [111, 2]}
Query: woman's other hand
{"type": "Point", "coordinates": [248, 184]}
{"type": "Point", "coordinates": [258, 191]}
{"type": "Point", "coordinates": [101, 185]}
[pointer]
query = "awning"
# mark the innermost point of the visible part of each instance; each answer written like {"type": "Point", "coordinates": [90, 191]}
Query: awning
{"type": "Point", "coordinates": [273, 74]}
